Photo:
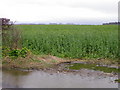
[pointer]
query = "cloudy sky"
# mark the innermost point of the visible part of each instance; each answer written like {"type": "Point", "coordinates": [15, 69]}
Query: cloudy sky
{"type": "Point", "coordinates": [60, 11]}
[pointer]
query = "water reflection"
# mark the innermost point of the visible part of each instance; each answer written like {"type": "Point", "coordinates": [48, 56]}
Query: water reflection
{"type": "Point", "coordinates": [40, 79]}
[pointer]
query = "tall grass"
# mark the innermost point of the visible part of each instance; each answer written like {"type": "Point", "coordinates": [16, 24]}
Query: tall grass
{"type": "Point", "coordinates": [73, 41]}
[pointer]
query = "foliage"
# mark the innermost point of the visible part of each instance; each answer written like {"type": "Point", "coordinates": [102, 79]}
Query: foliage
{"type": "Point", "coordinates": [117, 80]}
{"type": "Point", "coordinates": [73, 41]}
{"type": "Point", "coordinates": [15, 52]}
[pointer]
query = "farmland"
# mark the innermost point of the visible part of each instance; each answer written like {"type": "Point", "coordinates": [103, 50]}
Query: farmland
{"type": "Point", "coordinates": [84, 50]}
{"type": "Point", "coordinates": [72, 41]}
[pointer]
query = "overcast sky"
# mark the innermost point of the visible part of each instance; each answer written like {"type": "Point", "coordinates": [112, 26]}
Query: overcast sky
{"type": "Point", "coordinates": [60, 11]}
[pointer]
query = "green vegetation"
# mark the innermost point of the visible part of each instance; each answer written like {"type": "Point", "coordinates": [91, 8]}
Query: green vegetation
{"type": "Point", "coordinates": [72, 41]}
{"type": "Point", "coordinates": [117, 80]}
{"type": "Point", "coordinates": [96, 43]}
{"type": "Point", "coordinates": [15, 53]}
{"type": "Point", "coordinates": [78, 66]}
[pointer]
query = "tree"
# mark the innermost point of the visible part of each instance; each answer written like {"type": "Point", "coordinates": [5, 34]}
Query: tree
{"type": "Point", "coordinates": [10, 34]}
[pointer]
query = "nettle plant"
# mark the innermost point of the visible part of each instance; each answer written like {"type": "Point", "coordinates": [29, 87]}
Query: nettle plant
{"type": "Point", "coordinates": [18, 53]}
{"type": "Point", "coordinates": [15, 53]}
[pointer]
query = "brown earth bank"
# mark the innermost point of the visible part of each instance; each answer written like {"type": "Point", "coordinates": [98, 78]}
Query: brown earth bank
{"type": "Point", "coordinates": [48, 62]}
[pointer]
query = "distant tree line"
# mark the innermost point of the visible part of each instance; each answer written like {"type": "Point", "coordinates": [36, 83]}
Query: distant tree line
{"type": "Point", "coordinates": [112, 23]}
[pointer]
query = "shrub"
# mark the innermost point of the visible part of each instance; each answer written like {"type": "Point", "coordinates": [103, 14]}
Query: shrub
{"type": "Point", "coordinates": [19, 53]}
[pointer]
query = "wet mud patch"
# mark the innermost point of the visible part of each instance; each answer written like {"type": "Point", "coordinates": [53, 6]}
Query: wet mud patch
{"type": "Point", "coordinates": [78, 66]}
{"type": "Point", "coordinates": [83, 67]}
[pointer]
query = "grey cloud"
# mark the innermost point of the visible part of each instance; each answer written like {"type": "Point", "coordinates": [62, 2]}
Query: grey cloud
{"type": "Point", "coordinates": [102, 7]}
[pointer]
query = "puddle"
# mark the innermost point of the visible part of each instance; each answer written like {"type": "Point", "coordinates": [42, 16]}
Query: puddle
{"type": "Point", "coordinates": [41, 79]}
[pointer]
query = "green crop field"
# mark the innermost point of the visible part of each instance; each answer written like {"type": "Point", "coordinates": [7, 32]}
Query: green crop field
{"type": "Point", "coordinates": [72, 41]}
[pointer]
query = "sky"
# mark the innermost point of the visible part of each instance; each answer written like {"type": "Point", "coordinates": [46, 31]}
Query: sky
{"type": "Point", "coordinates": [60, 11]}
